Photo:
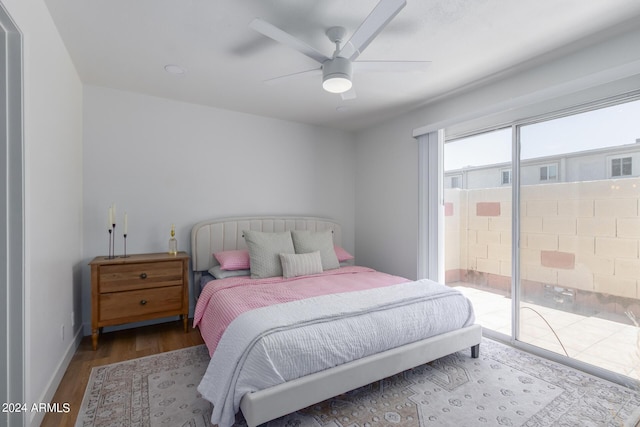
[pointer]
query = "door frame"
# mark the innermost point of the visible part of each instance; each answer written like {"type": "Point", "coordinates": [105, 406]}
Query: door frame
{"type": "Point", "coordinates": [12, 356]}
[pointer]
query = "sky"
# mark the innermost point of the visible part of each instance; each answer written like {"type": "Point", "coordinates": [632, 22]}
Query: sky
{"type": "Point", "coordinates": [611, 126]}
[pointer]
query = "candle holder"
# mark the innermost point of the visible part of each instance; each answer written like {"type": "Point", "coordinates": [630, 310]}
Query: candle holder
{"type": "Point", "coordinates": [113, 244]}
{"type": "Point", "coordinates": [125, 246]}
{"type": "Point", "coordinates": [110, 241]}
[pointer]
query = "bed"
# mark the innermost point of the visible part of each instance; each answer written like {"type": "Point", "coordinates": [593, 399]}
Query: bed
{"type": "Point", "coordinates": [337, 333]}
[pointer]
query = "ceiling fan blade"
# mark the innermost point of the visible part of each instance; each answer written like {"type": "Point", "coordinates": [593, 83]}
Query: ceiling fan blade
{"type": "Point", "coordinates": [275, 33]}
{"type": "Point", "coordinates": [379, 17]}
{"type": "Point", "coordinates": [348, 95]}
{"type": "Point", "coordinates": [307, 73]}
{"type": "Point", "coordinates": [390, 66]}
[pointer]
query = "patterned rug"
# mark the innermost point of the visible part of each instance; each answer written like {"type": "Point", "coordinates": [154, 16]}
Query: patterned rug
{"type": "Point", "coordinates": [504, 387]}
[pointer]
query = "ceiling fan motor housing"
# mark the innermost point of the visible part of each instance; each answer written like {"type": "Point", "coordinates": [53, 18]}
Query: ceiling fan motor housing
{"type": "Point", "coordinates": [336, 75]}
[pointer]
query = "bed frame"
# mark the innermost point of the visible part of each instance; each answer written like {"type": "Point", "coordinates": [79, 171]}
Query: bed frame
{"type": "Point", "coordinates": [259, 407]}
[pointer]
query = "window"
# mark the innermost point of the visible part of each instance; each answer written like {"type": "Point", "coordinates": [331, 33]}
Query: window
{"type": "Point", "coordinates": [548, 173]}
{"type": "Point", "coordinates": [523, 256]}
{"type": "Point", "coordinates": [505, 177]}
{"type": "Point", "coordinates": [478, 222]}
{"type": "Point", "coordinates": [621, 166]}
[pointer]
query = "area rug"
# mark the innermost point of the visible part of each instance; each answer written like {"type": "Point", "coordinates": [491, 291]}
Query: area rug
{"type": "Point", "coordinates": [503, 387]}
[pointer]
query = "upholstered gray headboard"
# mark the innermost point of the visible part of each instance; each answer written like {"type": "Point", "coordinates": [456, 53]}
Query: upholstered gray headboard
{"type": "Point", "coordinates": [225, 234]}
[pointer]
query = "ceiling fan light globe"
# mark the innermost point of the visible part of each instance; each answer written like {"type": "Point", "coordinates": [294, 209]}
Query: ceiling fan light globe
{"type": "Point", "coordinates": [337, 84]}
{"type": "Point", "coordinates": [336, 75]}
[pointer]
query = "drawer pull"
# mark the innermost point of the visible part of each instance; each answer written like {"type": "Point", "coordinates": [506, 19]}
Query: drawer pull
{"type": "Point", "coordinates": [143, 276]}
{"type": "Point", "coordinates": [143, 302]}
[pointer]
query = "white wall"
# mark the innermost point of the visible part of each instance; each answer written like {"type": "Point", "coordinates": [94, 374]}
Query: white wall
{"type": "Point", "coordinates": [170, 162]}
{"type": "Point", "coordinates": [387, 154]}
{"type": "Point", "coordinates": [387, 198]}
{"type": "Point", "coordinates": [53, 200]}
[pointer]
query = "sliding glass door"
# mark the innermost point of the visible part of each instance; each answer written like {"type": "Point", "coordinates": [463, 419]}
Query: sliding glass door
{"type": "Point", "coordinates": [477, 217]}
{"type": "Point", "coordinates": [574, 288]}
{"type": "Point", "coordinates": [580, 234]}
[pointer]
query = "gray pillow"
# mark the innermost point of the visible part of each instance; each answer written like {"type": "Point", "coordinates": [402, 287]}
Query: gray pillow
{"type": "Point", "coordinates": [219, 273]}
{"type": "Point", "coordinates": [264, 252]}
{"type": "Point", "coordinates": [305, 241]}
{"type": "Point", "coordinates": [294, 265]}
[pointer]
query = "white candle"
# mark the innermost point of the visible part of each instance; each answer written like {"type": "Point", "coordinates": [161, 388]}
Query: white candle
{"type": "Point", "coordinates": [113, 206]}
{"type": "Point", "coordinates": [125, 223]}
{"type": "Point", "coordinates": [109, 218]}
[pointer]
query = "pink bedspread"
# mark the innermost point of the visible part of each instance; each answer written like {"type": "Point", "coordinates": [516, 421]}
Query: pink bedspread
{"type": "Point", "coordinates": [221, 301]}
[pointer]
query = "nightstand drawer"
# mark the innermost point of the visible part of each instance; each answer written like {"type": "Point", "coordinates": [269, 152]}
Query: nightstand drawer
{"type": "Point", "coordinates": [116, 278]}
{"type": "Point", "coordinates": [120, 305]}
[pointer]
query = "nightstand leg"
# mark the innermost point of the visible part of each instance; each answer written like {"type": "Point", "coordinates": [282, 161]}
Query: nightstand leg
{"type": "Point", "coordinates": [94, 339]}
{"type": "Point", "coordinates": [185, 321]}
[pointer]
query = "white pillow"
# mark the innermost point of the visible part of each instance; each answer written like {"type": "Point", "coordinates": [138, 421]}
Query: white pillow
{"type": "Point", "coordinates": [294, 265]}
{"type": "Point", "coordinates": [305, 241]}
{"type": "Point", "coordinates": [264, 250]}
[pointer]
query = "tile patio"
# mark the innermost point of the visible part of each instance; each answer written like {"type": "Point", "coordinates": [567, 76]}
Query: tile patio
{"type": "Point", "coordinates": [613, 345]}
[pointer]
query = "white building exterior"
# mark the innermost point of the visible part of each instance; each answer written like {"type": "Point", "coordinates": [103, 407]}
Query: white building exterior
{"type": "Point", "coordinates": [622, 161]}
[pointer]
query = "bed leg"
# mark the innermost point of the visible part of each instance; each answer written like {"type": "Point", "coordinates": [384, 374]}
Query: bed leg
{"type": "Point", "coordinates": [475, 351]}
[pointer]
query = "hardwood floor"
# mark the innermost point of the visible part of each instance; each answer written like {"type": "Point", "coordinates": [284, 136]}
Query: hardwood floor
{"type": "Point", "coordinates": [114, 347]}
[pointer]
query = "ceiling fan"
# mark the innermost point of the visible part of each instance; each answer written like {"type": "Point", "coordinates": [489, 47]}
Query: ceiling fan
{"type": "Point", "coordinates": [338, 69]}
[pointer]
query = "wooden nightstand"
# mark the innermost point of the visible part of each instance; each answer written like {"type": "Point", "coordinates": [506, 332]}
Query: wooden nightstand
{"type": "Point", "coordinates": [138, 287]}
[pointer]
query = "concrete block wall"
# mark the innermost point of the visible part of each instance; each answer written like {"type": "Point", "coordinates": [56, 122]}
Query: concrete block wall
{"type": "Point", "coordinates": [578, 235]}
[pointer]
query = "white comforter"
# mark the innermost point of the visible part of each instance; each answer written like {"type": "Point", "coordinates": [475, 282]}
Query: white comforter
{"type": "Point", "coordinates": [270, 345]}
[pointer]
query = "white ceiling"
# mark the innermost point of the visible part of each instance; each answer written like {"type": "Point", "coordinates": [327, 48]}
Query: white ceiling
{"type": "Point", "coordinates": [125, 44]}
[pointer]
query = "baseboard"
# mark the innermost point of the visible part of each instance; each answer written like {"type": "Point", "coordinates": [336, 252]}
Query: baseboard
{"type": "Point", "coordinates": [50, 390]}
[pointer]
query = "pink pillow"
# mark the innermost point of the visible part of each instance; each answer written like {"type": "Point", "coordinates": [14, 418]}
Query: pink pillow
{"type": "Point", "coordinates": [342, 254]}
{"type": "Point", "coordinates": [233, 260]}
